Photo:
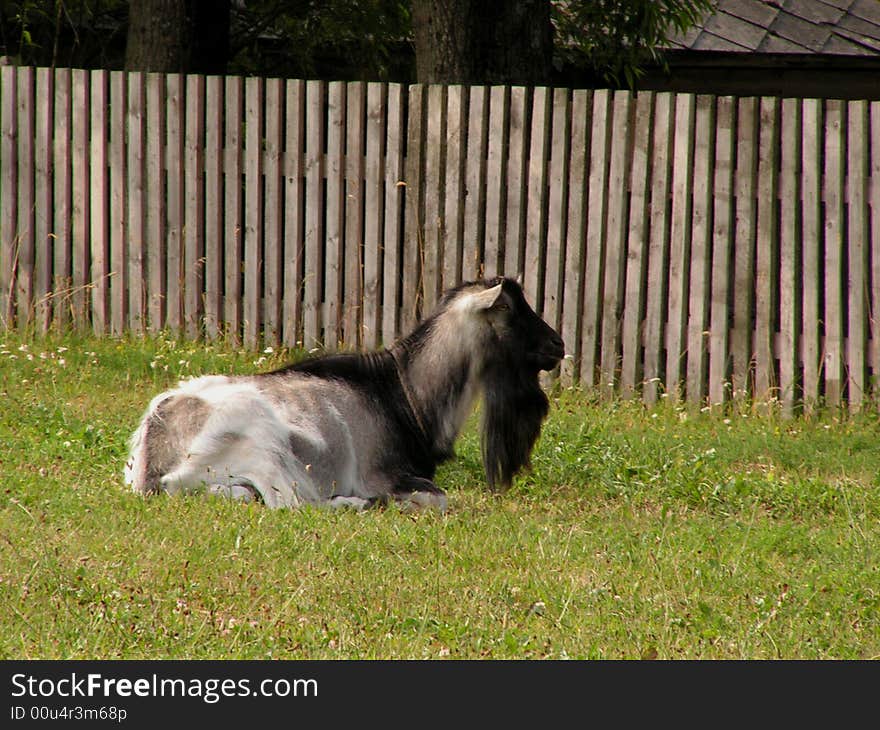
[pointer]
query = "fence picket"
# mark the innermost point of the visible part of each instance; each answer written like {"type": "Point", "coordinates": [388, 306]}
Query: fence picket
{"type": "Point", "coordinates": [600, 142]}
{"type": "Point", "coordinates": [254, 115]}
{"type": "Point", "coordinates": [557, 223]}
{"type": "Point", "coordinates": [61, 200]}
{"type": "Point", "coordinates": [374, 180]}
{"type": "Point", "coordinates": [536, 217]}
{"type": "Point", "coordinates": [155, 242]}
{"type": "Point", "coordinates": [80, 199]}
{"type": "Point", "coordinates": [723, 201]}
{"type": "Point", "coordinates": [273, 243]}
{"type": "Point", "coordinates": [615, 248]}
{"type": "Point", "coordinates": [432, 193]}
{"type": "Point", "coordinates": [175, 203]}
{"type": "Point", "coordinates": [576, 242]}
{"type": "Point", "coordinates": [314, 235]}
{"type": "Point", "coordinates": [767, 273]}
{"type": "Point", "coordinates": [658, 247]}
{"type": "Point", "coordinates": [789, 289]}
{"type": "Point", "coordinates": [394, 160]}
{"type": "Point", "coordinates": [857, 240]}
{"type": "Point", "coordinates": [118, 270]}
{"type": "Point", "coordinates": [811, 235]}
{"type": "Point", "coordinates": [744, 237]}
{"type": "Point", "coordinates": [294, 223]}
{"type": "Point", "coordinates": [233, 228]}
{"type": "Point", "coordinates": [514, 226]}
{"type": "Point", "coordinates": [98, 204]}
{"type": "Point", "coordinates": [499, 117]}
{"type": "Point", "coordinates": [43, 201]}
{"type": "Point", "coordinates": [453, 211]}
{"type": "Point", "coordinates": [835, 171]}
{"type": "Point", "coordinates": [411, 273]}
{"type": "Point", "coordinates": [699, 286]}
{"type": "Point", "coordinates": [679, 245]}
{"type": "Point", "coordinates": [637, 254]}
{"type": "Point", "coordinates": [334, 269]}
{"type": "Point", "coordinates": [24, 257]}
{"type": "Point", "coordinates": [354, 213]}
{"type": "Point", "coordinates": [874, 306]}
{"type": "Point", "coordinates": [214, 175]}
{"type": "Point", "coordinates": [475, 179]}
{"type": "Point", "coordinates": [9, 189]}
{"type": "Point", "coordinates": [194, 210]}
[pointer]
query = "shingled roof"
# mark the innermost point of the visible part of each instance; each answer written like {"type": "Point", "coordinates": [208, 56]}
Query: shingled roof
{"type": "Point", "coordinates": [835, 27]}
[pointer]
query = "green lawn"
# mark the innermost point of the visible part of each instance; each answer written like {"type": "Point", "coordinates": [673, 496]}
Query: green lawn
{"type": "Point", "coordinates": [640, 533]}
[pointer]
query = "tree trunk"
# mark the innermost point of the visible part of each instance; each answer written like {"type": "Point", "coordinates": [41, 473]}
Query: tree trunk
{"type": "Point", "coordinates": [187, 36]}
{"type": "Point", "coordinates": [480, 42]}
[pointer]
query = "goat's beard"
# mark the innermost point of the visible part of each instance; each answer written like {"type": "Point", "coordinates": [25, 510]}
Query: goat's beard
{"type": "Point", "coordinates": [514, 407]}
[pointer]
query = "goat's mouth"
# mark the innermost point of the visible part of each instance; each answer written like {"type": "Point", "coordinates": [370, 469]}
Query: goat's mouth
{"type": "Point", "coordinates": [548, 358]}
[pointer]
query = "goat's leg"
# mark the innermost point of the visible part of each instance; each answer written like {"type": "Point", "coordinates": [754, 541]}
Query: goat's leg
{"type": "Point", "coordinates": [413, 493]}
{"type": "Point", "coordinates": [239, 492]}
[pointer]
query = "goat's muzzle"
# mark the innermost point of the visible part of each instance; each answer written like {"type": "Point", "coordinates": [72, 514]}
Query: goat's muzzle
{"type": "Point", "coordinates": [550, 354]}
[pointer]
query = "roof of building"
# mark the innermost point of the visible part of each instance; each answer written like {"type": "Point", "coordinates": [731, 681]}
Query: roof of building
{"type": "Point", "coordinates": [834, 27]}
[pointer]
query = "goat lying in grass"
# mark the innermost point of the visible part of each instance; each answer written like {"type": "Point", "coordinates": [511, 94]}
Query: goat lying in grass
{"type": "Point", "coordinates": [356, 429]}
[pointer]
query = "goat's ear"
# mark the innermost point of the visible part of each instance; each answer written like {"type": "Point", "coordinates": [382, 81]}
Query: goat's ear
{"type": "Point", "coordinates": [486, 299]}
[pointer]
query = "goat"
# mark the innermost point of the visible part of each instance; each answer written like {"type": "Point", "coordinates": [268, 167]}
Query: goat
{"type": "Point", "coordinates": [359, 429]}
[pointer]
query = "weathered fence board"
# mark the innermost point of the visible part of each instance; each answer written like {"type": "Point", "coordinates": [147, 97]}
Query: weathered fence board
{"type": "Point", "coordinates": [175, 203]}
{"type": "Point", "coordinates": [335, 244]}
{"type": "Point", "coordinates": [395, 153]}
{"type": "Point", "coordinates": [719, 341]}
{"type": "Point", "coordinates": [155, 245]}
{"type": "Point", "coordinates": [314, 214]}
{"type": "Point", "coordinates": [857, 235]}
{"type": "Point", "coordinates": [705, 247]}
{"type": "Point", "coordinates": [374, 183]}
{"type": "Point", "coordinates": [214, 175]}
{"type": "Point", "coordinates": [679, 244]}
{"type": "Point", "coordinates": [766, 276]}
{"type": "Point", "coordinates": [9, 190]}
{"type": "Point", "coordinates": [745, 182]}
{"type": "Point", "coordinates": [98, 203]}
{"type": "Point", "coordinates": [254, 116]}
{"type": "Point", "coordinates": [811, 235]}
{"type": "Point", "coordinates": [637, 247]}
{"type": "Point", "coordinates": [24, 258]}
{"type": "Point", "coordinates": [61, 200]}
{"type": "Point", "coordinates": [294, 222]}
{"type": "Point", "coordinates": [658, 247]}
{"type": "Point", "coordinates": [43, 202]}
{"type": "Point", "coordinates": [788, 272]}
{"type": "Point", "coordinates": [835, 151]}
{"type": "Point", "coordinates": [600, 139]}
{"type": "Point", "coordinates": [233, 224]}
{"type": "Point", "coordinates": [699, 287]}
{"type": "Point", "coordinates": [575, 239]}
{"type": "Point", "coordinates": [615, 246]}
{"type": "Point", "coordinates": [536, 215]}
{"type": "Point", "coordinates": [118, 270]}
{"type": "Point", "coordinates": [354, 213]}
{"type": "Point", "coordinates": [273, 205]}
{"type": "Point", "coordinates": [194, 212]}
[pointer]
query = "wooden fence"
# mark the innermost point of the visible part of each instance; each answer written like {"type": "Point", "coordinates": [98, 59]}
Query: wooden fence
{"type": "Point", "coordinates": [698, 246]}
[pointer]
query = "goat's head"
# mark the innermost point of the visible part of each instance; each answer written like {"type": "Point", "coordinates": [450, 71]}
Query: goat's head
{"type": "Point", "coordinates": [517, 346]}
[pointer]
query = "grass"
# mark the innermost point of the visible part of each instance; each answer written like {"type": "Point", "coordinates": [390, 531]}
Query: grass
{"type": "Point", "coordinates": [639, 534]}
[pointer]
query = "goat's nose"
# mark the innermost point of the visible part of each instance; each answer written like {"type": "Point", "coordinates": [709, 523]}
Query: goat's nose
{"type": "Point", "coordinates": [558, 342]}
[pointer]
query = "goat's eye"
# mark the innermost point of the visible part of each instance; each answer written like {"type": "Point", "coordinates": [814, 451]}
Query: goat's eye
{"type": "Point", "coordinates": [501, 307]}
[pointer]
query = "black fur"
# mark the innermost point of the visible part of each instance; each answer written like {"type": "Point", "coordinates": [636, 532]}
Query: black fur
{"type": "Point", "coordinates": [519, 346]}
